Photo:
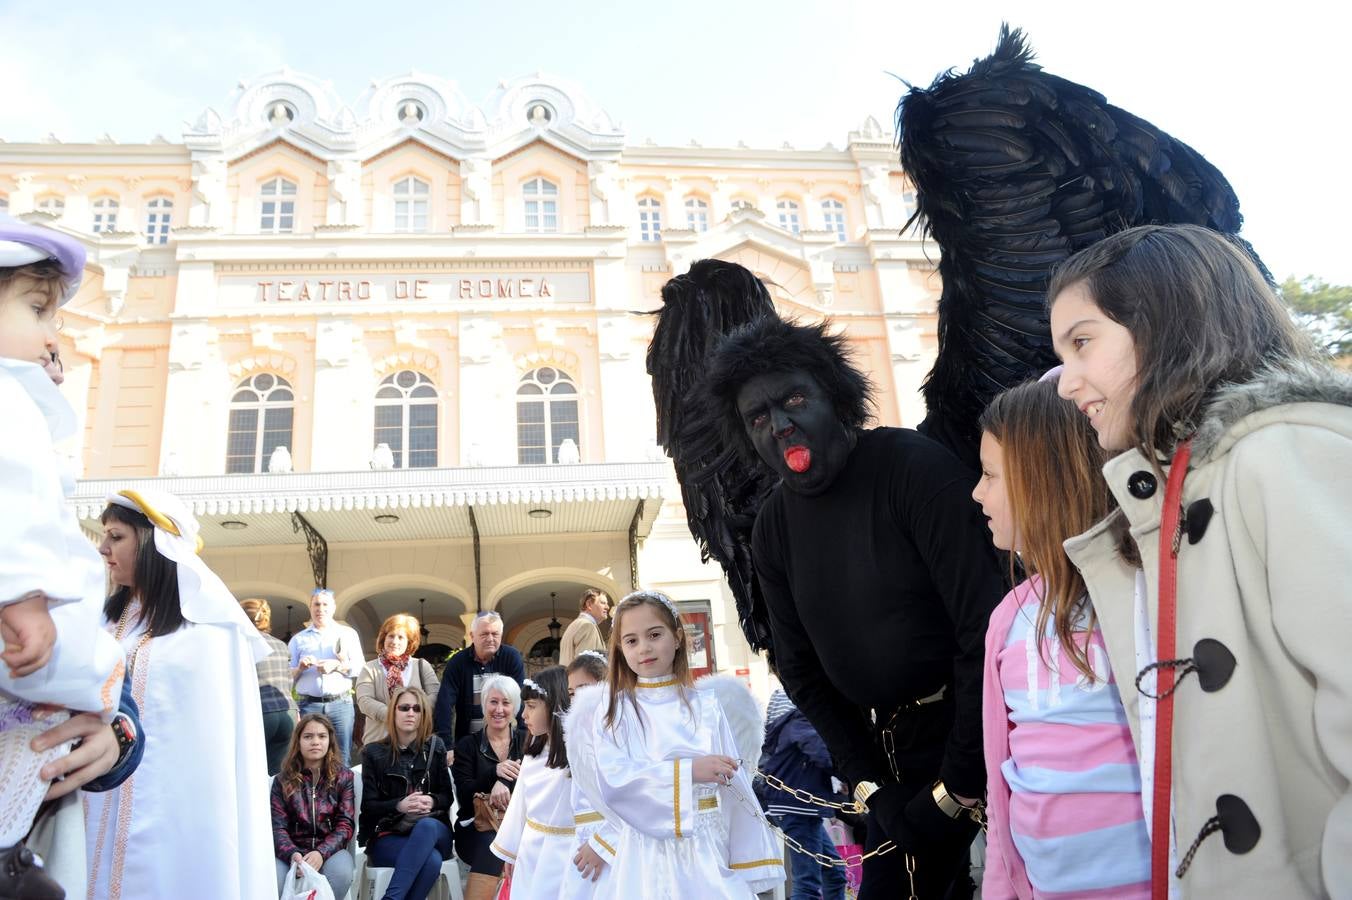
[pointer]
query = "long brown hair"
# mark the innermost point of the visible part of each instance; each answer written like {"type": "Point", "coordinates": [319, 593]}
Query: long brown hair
{"type": "Point", "coordinates": [424, 719]}
{"type": "Point", "coordinates": [155, 574]}
{"type": "Point", "coordinates": [622, 679]}
{"type": "Point", "coordinates": [1052, 461]}
{"type": "Point", "coordinates": [292, 773]}
{"type": "Point", "coordinates": [1200, 314]}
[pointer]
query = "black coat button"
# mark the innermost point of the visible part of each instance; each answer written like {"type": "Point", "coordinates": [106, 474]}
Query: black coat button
{"type": "Point", "coordinates": [1214, 662]}
{"type": "Point", "coordinates": [1141, 485]}
{"type": "Point", "coordinates": [1239, 827]}
{"type": "Point", "coordinates": [1196, 519]}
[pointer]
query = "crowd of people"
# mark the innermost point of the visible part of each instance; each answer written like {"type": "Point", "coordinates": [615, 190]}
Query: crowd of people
{"type": "Point", "coordinates": [1171, 505]}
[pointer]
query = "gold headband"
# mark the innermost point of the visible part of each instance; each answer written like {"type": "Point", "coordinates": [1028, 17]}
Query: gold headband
{"type": "Point", "coordinates": [157, 518]}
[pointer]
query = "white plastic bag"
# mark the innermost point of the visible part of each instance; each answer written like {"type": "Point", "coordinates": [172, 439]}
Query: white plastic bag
{"type": "Point", "coordinates": [306, 884]}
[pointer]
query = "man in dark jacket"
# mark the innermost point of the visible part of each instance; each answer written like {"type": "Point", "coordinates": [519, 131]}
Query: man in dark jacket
{"type": "Point", "coordinates": [458, 711]}
{"type": "Point", "coordinates": [796, 755]}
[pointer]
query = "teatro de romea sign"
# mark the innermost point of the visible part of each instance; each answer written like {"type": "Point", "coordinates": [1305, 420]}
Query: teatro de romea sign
{"type": "Point", "coordinates": [469, 287]}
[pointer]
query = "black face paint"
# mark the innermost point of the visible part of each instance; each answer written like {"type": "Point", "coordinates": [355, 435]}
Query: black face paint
{"type": "Point", "coordinates": [794, 427]}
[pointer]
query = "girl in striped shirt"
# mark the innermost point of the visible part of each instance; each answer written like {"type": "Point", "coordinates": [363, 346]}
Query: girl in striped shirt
{"type": "Point", "coordinates": [1064, 791]}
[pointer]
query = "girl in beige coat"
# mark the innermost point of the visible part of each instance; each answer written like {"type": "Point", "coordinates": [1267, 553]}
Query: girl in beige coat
{"type": "Point", "coordinates": [396, 642]}
{"type": "Point", "coordinates": [1172, 339]}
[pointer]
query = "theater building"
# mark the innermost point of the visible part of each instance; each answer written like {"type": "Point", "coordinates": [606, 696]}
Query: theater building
{"type": "Point", "coordinates": [396, 345]}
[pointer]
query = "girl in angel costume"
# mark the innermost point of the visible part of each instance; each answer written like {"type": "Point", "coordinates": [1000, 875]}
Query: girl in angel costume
{"type": "Point", "coordinates": [535, 840]}
{"type": "Point", "coordinates": [596, 837]}
{"type": "Point", "coordinates": [656, 755]}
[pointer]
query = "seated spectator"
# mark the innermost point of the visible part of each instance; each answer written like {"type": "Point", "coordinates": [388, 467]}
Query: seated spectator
{"type": "Point", "coordinates": [406, 798]}
{"type": "Point", "coordinates": [313, 806]}
{"type": "Point", "coordinates": [487, 763]}
{"type": "Point", "coordinates": [396, 667]}
{"type": "Point", "coordinates": [274, 686]}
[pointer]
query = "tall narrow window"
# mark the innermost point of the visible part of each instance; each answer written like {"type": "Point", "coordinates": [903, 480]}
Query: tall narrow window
{"type": "Point", "coordinates": [406, 419]}
{"type": "Point", "coordinates": [410, 205]}
{"type": "Point", "coordinates": [833, 213]}
{"type": "Point", "coordinates": [52, 205]}
{"type": "Point", "coordinates": [105, 215]}
{"type": "Point", "coordinates": [650, 219]}
{"type": "Point", "coordinates": [696, 214]}
{"type": "Point", "coordinates": [788, 215]}
{"type": "Point", "coordinates": [261, 413]}
{"type": "Point", "coordinates": [546, 416]}
{"type": "Point", "coordinates": [159, 215]}
{"type": "Point", "coordinates": [542, 206]}
{"type": "Point", "coordinates": [277, 207]}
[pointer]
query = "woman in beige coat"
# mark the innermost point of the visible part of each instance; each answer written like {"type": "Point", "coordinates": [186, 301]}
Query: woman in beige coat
{"type": "Point", "coordinates": [396, 666]}
{"type": "Point", "coordinates": [1171, 338]}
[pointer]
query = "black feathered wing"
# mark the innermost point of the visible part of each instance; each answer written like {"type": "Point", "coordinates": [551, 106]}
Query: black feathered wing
{"type": "Point", "coordinates": [1015, 170]}
{"type": "Point", "coordinates": [722, 492]}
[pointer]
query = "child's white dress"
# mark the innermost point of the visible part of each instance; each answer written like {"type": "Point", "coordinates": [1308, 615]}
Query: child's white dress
{"type": "Point", "coordinates": [42, 549]}
{"type": "Point", "coordinates": [594, 831]}
{"type": "Point", "coordinates": [537, 835]}
{"type": "Point", "coordinates": [677, 839]}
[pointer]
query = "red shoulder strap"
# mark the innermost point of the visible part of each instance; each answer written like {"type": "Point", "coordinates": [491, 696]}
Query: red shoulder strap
{"type": "Point", "coordinates": [1166, 637]}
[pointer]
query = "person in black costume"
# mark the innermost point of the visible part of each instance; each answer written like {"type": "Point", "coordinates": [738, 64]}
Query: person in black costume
{"type": "Point", "coordinates": [879, 578]}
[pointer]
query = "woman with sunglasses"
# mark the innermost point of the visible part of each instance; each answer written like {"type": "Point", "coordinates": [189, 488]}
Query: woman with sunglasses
{"type": "Point", "coordinates": [406, 798]}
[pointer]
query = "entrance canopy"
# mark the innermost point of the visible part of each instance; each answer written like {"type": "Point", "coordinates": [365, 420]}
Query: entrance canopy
{"type": "Point", "coordinates": [406, 504]}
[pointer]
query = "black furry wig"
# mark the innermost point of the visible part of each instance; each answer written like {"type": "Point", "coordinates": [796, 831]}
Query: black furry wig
{"type": "Point", "coordinates": [773, 346]}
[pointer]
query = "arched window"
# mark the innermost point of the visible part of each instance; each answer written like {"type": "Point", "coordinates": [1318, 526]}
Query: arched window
{"type": "Point", "coordinates": [277, 206]}
{"type": "Point", "coordinates": [410, 205]}
{"type": "Point", "coordinates": [261, 413]}
{"type": "Point", "coordinates": [406, 418]}
{"type": "Point", "coordinates": [788, 215]}
{"type": "Point", "coordinates": [696, 214]}
{"type": "Point", "coordinates": [542, 206]}
{"type": "Point", "coordinates": [52, 204]}
{"type": "Point", "coordinates": [546, 416]}
{"type": "Point", "coordinates": [833, 213]}
{"type": "Point", "coordinates": [650, 219]}
{"type": "Point", "coordinates": [159, 215]}
{"type": "Point", "coordinates": [105, 215]}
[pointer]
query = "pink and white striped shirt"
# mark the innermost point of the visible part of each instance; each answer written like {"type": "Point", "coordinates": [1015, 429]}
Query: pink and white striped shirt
{"type": "Point", "coordinates": [1063, 785]}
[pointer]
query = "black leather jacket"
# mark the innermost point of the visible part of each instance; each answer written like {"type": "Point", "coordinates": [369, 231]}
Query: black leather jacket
{"type": "Point", "coordinates": [384, 782]}
{"type": "Point", "coordinates": [476, 767]}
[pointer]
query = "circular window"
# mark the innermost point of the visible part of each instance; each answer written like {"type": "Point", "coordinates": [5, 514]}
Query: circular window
{"type": "Point", "coordinates": [539, 114]}
{"type": "Point", "coordinates": [411, 112]}
{"type": "Point", "coordinates": [281, 113]}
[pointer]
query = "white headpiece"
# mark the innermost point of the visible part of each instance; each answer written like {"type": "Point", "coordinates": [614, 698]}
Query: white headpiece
{"type": "Point", "coordinates": [203, 597]}
{"type": "Point", "coordinates": [596, 653]}
{"type": "Point", "coordinates": [527, 683]}
{"type": "Point", "coordinates": [660, 598]}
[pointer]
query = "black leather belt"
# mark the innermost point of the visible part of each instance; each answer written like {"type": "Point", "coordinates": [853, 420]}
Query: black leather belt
{"type": "Point", "coordinates": [327, 698]}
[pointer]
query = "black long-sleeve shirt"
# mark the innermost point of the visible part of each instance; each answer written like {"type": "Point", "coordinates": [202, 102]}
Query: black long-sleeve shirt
{"type": "Point", "coordinates": [879, 591]}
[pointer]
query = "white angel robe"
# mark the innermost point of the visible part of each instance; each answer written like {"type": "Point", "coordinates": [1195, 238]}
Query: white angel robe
{"type": "Point", "coordinates": [678, 839]}
{"type": "Point", "coordinates": [193, 819]}
{"type": "Point", "coordinates": [597, 833]}
{"type": "Point", "coordinates": [537, 835]}
{"type": "Point", "coordinates": [42, 549]}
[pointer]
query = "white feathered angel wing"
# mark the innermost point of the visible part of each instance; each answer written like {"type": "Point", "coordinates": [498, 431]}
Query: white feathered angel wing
{"type": "Point", "coordinates": [741, 711]}
{"type": "Point", "coordinates": [579, 732]}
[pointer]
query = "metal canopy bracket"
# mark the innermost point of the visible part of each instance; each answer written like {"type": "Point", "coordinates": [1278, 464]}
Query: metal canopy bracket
{"type": "Point", "coordinates": [316, 547]}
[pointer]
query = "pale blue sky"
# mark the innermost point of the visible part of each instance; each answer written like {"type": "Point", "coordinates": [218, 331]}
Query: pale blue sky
{"type": "Point", "coordinates": [1264, 95]}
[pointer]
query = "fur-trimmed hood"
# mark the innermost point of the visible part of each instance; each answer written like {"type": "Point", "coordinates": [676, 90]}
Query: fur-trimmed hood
{"type": "Point", "coordinates": [1277, 385]}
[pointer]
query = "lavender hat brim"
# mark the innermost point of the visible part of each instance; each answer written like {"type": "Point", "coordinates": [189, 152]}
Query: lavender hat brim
{"type": "Point", "coordinates": [22, 244]}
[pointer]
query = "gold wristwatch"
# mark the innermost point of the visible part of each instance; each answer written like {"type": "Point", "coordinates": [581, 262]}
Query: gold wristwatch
{"type": "Point", "coordinates": [863, 790]}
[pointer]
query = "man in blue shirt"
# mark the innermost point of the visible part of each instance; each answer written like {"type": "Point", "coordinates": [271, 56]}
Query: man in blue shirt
{"type": "Point", "coordinates": [458, 711]}
{"type": "Point", "coordinates": [325, 658]}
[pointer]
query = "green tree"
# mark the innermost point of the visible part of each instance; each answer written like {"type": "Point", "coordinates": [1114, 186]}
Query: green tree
{"type": "Point", "coordinates": [1324, 310]}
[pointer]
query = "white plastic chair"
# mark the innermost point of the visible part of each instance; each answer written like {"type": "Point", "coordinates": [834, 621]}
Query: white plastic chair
{"type": "Point", "coordinates": [369, 882]}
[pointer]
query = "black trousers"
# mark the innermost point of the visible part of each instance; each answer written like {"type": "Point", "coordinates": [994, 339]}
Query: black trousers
{"type": "Point", "coordinates": [277, 728]}
{"type": "Point", "coordinates": [943, 870]}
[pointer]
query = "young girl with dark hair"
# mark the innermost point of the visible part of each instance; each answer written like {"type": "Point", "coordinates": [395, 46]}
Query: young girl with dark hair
{"type": "Point", "coordinates": [313, 810]}
{"type": "Point", "coordinates": [656, 756]}
{"type": "Point", "coordinates": [535, 840]}
{"type": "Point", "coordinates": [1063, 798]}
{"type": "Point", "coordinates": [595, 838]}
{"type": "Point", "coordinates": [1231, 470]}
{"type": "Point", "coordinates": [191, 658]}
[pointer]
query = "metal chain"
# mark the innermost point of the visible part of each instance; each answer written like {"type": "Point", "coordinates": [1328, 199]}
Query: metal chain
{"type": "Point", "coordinates": [850, 806]}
